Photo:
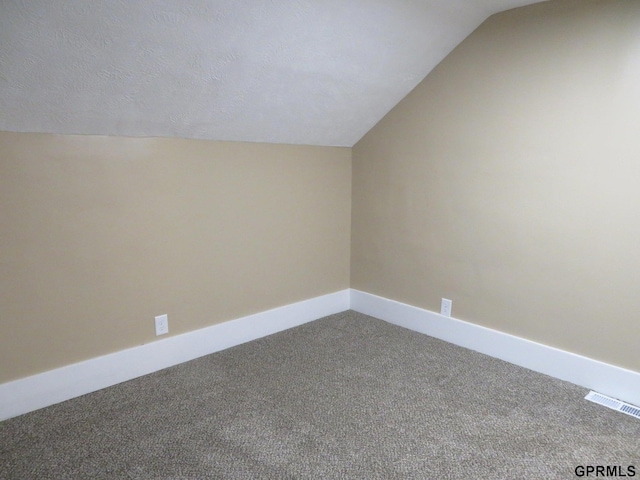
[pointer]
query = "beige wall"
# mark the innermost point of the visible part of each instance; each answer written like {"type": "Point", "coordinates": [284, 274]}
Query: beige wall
{"type": "Point", "coordinates": [100, 234]}
{"type": "Point", "coordinates": [509, 181]}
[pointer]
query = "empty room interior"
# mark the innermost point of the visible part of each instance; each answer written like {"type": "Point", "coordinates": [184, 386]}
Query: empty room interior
{"type": "Point", "coordinates": [303, 239]}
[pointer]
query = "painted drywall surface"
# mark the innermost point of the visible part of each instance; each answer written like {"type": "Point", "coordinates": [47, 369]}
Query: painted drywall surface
{"type": "Point", "coordinates": [100, 234]}
{"type": "Point", "coordinates": [507, 181]}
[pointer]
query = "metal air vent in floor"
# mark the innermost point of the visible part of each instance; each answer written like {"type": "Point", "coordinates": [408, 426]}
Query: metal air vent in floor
{"type": "Point", "coordinates": [613, 404]}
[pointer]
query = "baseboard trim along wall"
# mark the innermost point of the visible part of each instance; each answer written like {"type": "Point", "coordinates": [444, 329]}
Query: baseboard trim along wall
{"type": "Point", "coordinates": [48, 388]}
{"type": "Point", "coordinates": [613, 381]}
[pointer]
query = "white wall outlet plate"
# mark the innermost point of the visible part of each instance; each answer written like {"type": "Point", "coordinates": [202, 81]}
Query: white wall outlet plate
{"type": "Point", "coordinates": [445, 307]}
{"type": "Point", "coordinates": [162, 324]}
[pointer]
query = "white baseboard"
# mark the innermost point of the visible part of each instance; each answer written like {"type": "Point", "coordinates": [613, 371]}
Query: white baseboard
{"type": "Point", "coordinates": [48, 388]}
{"type": "Point", "coordinates": [613, 381]}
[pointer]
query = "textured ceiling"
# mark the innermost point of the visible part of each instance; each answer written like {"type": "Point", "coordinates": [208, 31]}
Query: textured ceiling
{"type": "Point", "coordinates": [319, 72]}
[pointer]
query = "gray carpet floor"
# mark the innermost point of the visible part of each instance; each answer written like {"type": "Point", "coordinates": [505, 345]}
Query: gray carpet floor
{"type": "Point", "coordinates": [344, 397]}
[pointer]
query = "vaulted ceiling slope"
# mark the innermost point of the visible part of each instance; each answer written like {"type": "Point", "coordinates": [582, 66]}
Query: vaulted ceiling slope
{"type": "Point", "coordinates": [317, 72]}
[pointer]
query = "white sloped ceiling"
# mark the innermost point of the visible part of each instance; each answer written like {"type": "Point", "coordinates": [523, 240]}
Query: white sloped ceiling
{"type": "Point", "coordinates": [317, 72]}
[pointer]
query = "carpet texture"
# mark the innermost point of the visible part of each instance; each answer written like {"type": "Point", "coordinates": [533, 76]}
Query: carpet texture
{"type": "Point", "coordinates": [344, 397]}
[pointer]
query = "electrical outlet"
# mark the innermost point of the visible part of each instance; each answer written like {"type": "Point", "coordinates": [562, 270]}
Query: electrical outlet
{"type": "Point", "coordinates": [445, 307]}
{"type": "Point", "coordinates": [162, 324]}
